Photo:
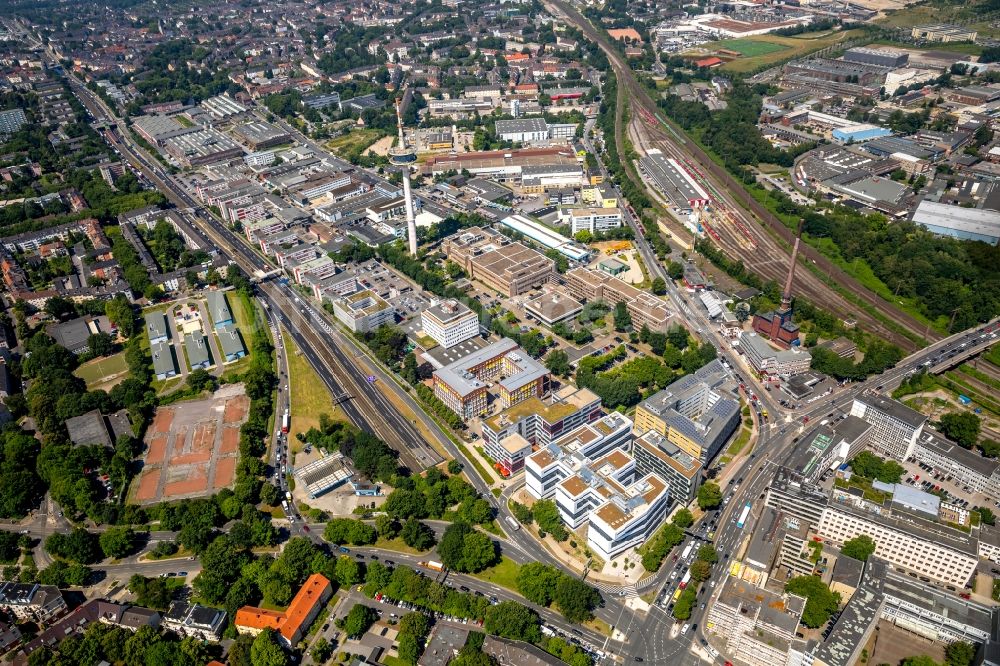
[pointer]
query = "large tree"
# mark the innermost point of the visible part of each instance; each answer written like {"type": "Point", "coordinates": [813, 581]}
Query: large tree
{"type": "Point", "coordinates": [576, 599]}
{"type": "Point", "coordinates": [821, 603]}
{"type": "Point", "coordinates": [510, 619]}
{"type": "Point", "coordinates": [537, 582]}
{"type": "Point", "coordinates": [709, 495]}
{"type": "Point", "coordinates": [963, 427]}
{"type": "Point", "coordinates": [860, 547]}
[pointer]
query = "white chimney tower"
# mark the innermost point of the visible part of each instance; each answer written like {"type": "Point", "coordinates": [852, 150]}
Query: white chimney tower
{"type": "Point", "coordinates": [403, 157]}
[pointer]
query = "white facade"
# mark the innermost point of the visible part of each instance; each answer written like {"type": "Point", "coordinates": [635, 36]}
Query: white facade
{"type": "Point", "coordinates": [594, 220]}
{"type": "Point", "coordinates": [449, 323]}
{"type": "Point", "coordinates": [364, 311]}
{"type": "Point", "coordinates": [924, 556]}
{"type": "Point", "coordinates": [895, 427]}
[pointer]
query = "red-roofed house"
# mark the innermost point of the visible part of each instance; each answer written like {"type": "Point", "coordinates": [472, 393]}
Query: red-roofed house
{"type": "Point", "coordinates": [291, 623]}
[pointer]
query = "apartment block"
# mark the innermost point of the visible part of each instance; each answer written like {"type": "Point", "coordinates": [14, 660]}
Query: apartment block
{"type": "Point", "coordinates": [292, 623]}
{"type": "Point", "coordinates": [586, 284]}
{"type": "Point", "coordinates": [697, 413]}
{"type": "Point", "coordinates": [464, 385]}
{"type": "Point", "coordinates": [543, 421]}
{"type": "Point", "coordinates": [895, 427]}
{"type": "Point", "coordinates": [449, 322]}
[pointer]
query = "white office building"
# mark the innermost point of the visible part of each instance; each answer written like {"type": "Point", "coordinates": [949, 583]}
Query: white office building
{"type": "Point", "coordinates": [594, 220]}
{"type": "Point", "coordinates": [363, 311]}
{"type": "Point", "coordinates": [449, 322]}
{"type": "Point", "coordinates": [895, 427]}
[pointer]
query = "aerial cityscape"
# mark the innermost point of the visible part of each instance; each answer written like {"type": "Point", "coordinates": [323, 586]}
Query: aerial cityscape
{"type": "Point", "coordinates": [529, 333]}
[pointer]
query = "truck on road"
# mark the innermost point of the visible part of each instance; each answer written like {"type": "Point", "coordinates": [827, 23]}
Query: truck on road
{"type": "Point", "coordinates": [514, 525]}
{"type": "Point", "coordinates": [432, 565]}
{"type": "Point", "coordinates": [284, 422]}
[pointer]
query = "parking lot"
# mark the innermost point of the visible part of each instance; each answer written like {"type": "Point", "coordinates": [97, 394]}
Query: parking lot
{"type": "Point", "coordinates": [924, 477]}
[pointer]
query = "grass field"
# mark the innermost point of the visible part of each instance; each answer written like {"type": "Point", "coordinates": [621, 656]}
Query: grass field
{"type": "Point", "coordinates": [102, 369]}
{"type": "Point", "coordinates": [309, 396]}
{"type": "Point", "coordinates": [503, 574]}
{"type": "Point", "coordinates": [751, 48]}
{"type": "Point", "coordinates": [767, 50]}
{"type": "Point", "coordinates": [353, 143]}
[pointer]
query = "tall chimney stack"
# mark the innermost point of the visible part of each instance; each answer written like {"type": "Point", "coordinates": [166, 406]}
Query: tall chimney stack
{"type": "Point", "coordinates": [786, 295]}
{"type": "Point", "coordinates": [403, 157]}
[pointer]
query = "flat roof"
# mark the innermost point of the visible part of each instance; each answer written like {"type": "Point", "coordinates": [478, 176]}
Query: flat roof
{"type": "Point", "coordinates": [893, 408]}
{"type": "Point", "coordinates": [969, 220]}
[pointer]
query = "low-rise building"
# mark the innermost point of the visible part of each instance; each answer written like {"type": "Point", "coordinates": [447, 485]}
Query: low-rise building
{"type": "Point", "coordinates": [194, 620]}
{"type": "Point", "coordinates": [156, 327]}
{"type": "Point", "coordinates": [164, 363]}
{"type": "Point", "coordinates": [218, 309]}
{"type": "Point", "coordinates": [769, 362]}
{"type": "Point", "coordinates": [292, 623]}
{"type": "Point", "coordinates": [508, 267]}
{"type": "Point", "coordinates": [594, 220]}
{"type": "Point", "coordinates": [31, 601]}
{"type": "Point", "coordinates": [233, 348]}
{"type": "Point", "coordinates": [647, 310]}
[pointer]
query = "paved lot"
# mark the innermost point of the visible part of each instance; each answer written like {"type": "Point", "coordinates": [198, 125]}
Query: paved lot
{"type": "Point", "coordinates": [192, 447]}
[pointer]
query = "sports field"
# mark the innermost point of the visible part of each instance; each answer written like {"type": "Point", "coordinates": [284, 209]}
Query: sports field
{"type": "Point", "coordinates": [752, 48]}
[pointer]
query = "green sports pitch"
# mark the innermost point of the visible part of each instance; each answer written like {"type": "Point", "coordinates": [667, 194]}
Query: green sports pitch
{"type": "Point", "coordinates": [750, 48]}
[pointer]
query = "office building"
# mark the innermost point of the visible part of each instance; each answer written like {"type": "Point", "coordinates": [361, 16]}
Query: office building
{"type": "Point", "coordinates": [681, 471]}
{"type": "Point", "coordinates": [464, 385]}
{"type": "Point", "coordinates": [902, 538]}
{"type": "Point", "coordinates": [974, 224]}
{"type": "Point", "coordinates": [508, 454]}
{"type": "Point", "coordinates": [697, 413]}
{"type": "Point", "coordinates": [449, 322]}
{"type": "Point", "coordinates": [895, 427]}
{"type": "Point", "coordinates": [543, 421]}
{"type": "Point", "coordinates": [594, 220]}
{"type": "Point", "coordinates": [586, 284]}
{"type": "Point", "coordinates": [590, 477]}
{"type": "Point", "coordinates": [292, 623]}
{"type": "Point", "coordinates": [943, 32]}
{"type": "Point", "coordinates": [491, 258]}
{"type": "Point", "coordinates": [829, 446]}
{"type": "Point", "coordinates": [967, 468]}
{"type": "Point", "coordinates": [758, 626]}
{"type": "Point", "coordinates": [553, 307]}
{"type": "Point", "coordinates": [769, 362]}
{"type": "Point", "coordinates": [363, 311]}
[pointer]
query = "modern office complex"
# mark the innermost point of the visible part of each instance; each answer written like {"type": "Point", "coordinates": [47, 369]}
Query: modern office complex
{"type": "Point", "coordinates": [594, 220]}
{"type": "Point", "coordinates": [895, 427]}
{"type": "Point", "coordinates": [590, 477]}
{"type": "Point", "coordinates": [464, 385]}
{"type": "Point", "coordinates": [698, 413]}
{"type": "Point", "coordinates": [543, 421]}
{"type": "Point", "coordinates": [450, 322]}
{"type": "Point", "coordinates": [655, 453]}
{"type": "Point", "coordinates": [508, 453]}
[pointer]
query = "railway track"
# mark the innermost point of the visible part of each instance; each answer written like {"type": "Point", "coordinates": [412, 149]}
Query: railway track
{"type": "Point", "coordinates": [748, 222]}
